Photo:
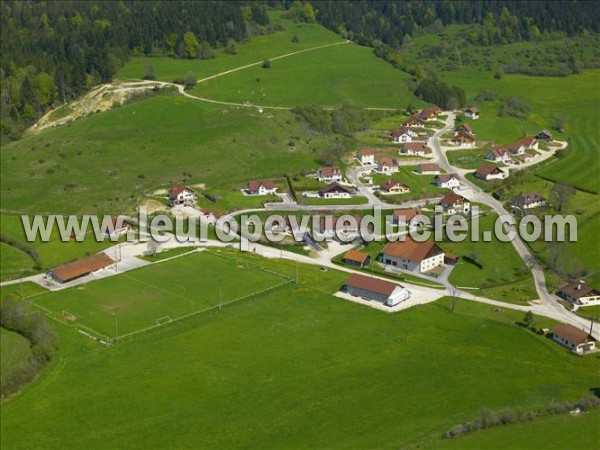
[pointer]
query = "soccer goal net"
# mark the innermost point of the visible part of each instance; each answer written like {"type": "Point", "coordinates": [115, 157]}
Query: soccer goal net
{"type": "Point", "coordinates": [241, 264]}
{"type": "Point", "coordinates": [163, 320]}
{"type": "Point", "coordinates": [69, 317]}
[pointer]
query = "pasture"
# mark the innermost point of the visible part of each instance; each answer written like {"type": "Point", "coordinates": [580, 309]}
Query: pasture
{"type": "Point", "coordinates": [136, 300]}
{"type": "Point", "coordinates": [297, 359]}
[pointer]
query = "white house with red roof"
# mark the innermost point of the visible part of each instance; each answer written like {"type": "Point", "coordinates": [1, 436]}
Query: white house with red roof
{"type": "Point", "coordinates": [329, 174]}
{"type": "Point", "coordinates": [488, 173]}
{"type": "Point", "coordinates": [261, 187]}
{"type": "Point", "coordinates": [387, 166]}
{"type": "Point", "coordinates": [453, 203]}
{"type": "Point", "coordinates": [366, 156]}
{"type": "Point", "coordinates": [181, 196]}
{"type": "Point", "coordinates": [402, 135]}
{"type": "Point", "coordinates": [447, 180]}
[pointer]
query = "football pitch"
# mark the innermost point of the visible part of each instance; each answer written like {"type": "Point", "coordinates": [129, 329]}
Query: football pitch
{"type": "Point", "coordinates": [159, 294]}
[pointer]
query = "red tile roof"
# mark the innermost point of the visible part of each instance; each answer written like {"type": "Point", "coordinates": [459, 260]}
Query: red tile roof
{"type": "Point", "coordinates": [81, 267]}
{"type": "Point", "coordinates": [412, 250]}
{"type": "Point", "coordinates": [334, 187]}
{"type": "Point", "coordinates": [578, 290]}
{"type": "Point", "coordinates": [356, 256]}
{"type": "Point", "coordinates": [330, 171]}
{"type": "Point", "coordinates": [452, 199]}
{"type": "Point", "coordinates": [408, 214]}
{"type": "Point", "coordinates": [372, 284]}
{"type": "Point", "coordinates": [178, 189]}
{"type": "Point", "coordinates": [571, 334]}
{"type": "Point", "coordinates": [254, 185]}
{"type": "Point", "coordinates": [399, 132]}
{"type": "Point", "coordinates": [429, 167]}
{"type": "Point", "coordinates": [484, 171]}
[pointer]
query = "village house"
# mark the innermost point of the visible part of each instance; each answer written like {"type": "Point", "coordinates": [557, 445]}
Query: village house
{"type": "Point", "coordinates": [519, 147]}
{"type": "Point", "coordinates": [356, 259]}
{"type": "Point", "coordinates": [528, 200]}
{"type": "Point", "coordinates": [472, 113]}
{"type": "Point", "coordinates": [428, 114]}
{"type": "Point", "coordinates": [447, 180]}
{"type": "Point", "coordinates": [576, 340]}
{"type": "Point", "coordinates": [544, 135]}
{"type": "Point", "coordinates": [415, 149]}
{"type": "Point", "coordinates": [261, 187]}
{"type": "Point", "coordinates": [80, 268]}
{"type": "Point", "coordinates": [464, 139]}
{"type": "Point", "coordinates": [488, 173]}
{"type": "Point", "coordinates": [498, 155]}
{"type": "Point", "coordinates": [366, 156]}
{"type": "Point", "coordinates": [329, 174]}
{"type": "Point", "coordinates": [402, 217]}
{"type": "Point", "coordinates": [402, 134]}
{"type": "Point", "coordinates": [464, 128]}
{"type": "Point", "coordinates": [387, 166]}
{"type": "Point", "coordinates": [453, 203]}
{"type": "Point", "coordinates": [414, 121]}
{"type": "Point", "coordinates": [428, 169]}
{"type": "Point", "coordinates": [394, 187]}
{"type": "Point", "coordinates": [413, 255]}
{"type": "Point", "coordinates": [386, 292]}
{"type": "Point", "coordinates": [579, 293]}
{"type": "Point", "coordinates": [335, 190]}
{"type": "Point", "coordinates": [181, 196]}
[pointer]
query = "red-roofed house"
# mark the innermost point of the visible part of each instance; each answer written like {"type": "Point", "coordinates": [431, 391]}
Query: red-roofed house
{"type": "Point", "coordinates": [335, 190]}
{"type": "Point", "coordinates": [579, 293]}
{"type": "Point", "coordinates": [488, 173]}
{"type": "Point", "coordinates": [404, 216]}
{"type": "Point", "coordinates": [447, 180]}
{"type": "Point", "coordinates": [411, 255]}
{"type": "Point", "coordinates": [430, 113]}
{"type": "Point", "coordinates": [366, 156]}
{"type": "Point", "coordinates": [455, 204]}
{"type": "Point", "coordinates": [528, 200]}
{"type": "Point", "coordinates": [464, 139]}
{"type": "Point", "coordinates": [261, 187]}
{"type": "Point", "coordinates": [499, 155]}
{"type": "Point", "coordinates": [181, 196]}
{"type": "Point", "coordinates": [415, 148]}
{"type": "Point", "coordinates": [356, 259]}
{"type": "Point", "coordinates": [428, 169]}
{"type": "Point", "coordinates": [371, 288]}
{"type": "Point", "coordinates": [394, 187]}
{"type": "Point", "coordinates": [329, 174]}
{"type": "Point", "coordinates": [574, 339]}
{"type": "Point", "coordinates": [414, 121]}
{"type": "Point", "coordinates": [402, 134]}
{"type": "Point", "coordinates": [387, 166]}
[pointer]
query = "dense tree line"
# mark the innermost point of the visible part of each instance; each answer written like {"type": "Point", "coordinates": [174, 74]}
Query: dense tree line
{"type": "Point", "coordinates": [16, 316]}
{"type": "Point", "coordinates": [53, 51]}
{"type": "Point", "coordinates": [499, 21]}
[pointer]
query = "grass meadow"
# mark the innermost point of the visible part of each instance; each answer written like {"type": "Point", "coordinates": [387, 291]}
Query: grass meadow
{"type": "Point", "coordinates": [14, 353]}
{"type": "Point", "coordinates": [295, 359]}
{"type": "Point", "coordinates": [187, 284]}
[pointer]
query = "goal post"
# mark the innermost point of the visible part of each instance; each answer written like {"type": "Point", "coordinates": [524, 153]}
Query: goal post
{"type": "Point", "coordinates": [69, 317]}
{"type": "Point", "coordinates": [241, 264]}
{"type": "Point", "coordinates": [163, 320]}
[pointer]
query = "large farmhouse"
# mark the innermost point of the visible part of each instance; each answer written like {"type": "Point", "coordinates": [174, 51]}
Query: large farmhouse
{"type": "Point", "coordinates": [412, 255]}
{"type": "Point", "coordinates": [579, 293]}
{"type": "Point", "coordinates": [386, 292]}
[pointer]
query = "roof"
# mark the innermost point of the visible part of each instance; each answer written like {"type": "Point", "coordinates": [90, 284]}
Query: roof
{"type": "Point", "coordinates": [429, 112]}
{"type": "Point", "coordinates": [523, 142]}
{"type": "Point", "coordinates": [484, 171]}
{"type": "Point", "coordinates": [334, 187]}
{"type": "Point", "coordinates": [429, 167]}
{"type": "Point", "coordinates": [452, 198]}
{"type": "Point", "coordinates": [408, 213]}
{"type": "Point", "coordinates": [356, 256]}
{"type": "Point", "coordinates": [76, 269]}
{"type": "Point", "coordinates": [178, 189]}
{"type": "Point", "coordinates": [412, 250]}
{"type": "Point", "coordinates": [446, 177]}
{"type": "Point", "coordinates": [387, 185]}
{"type": "Point", "coordinates": [416, 146]}
{"type": "Point", "coordinates": [499, 151]}
{"type": "Point", "coordinates": [254, 185]}
{"type": "Point", "coordinates": [413, 119]}
{"type": "Point", "coordinates": [528, 197]}
{"type": "Point", "coordinates": [465, 127]}
{"type": "Point", "coordinates": [473, 110]}
{"type": "Point", "coordinates": [544, 133]}
{"type": "Point", "coordinates": [387, 161]}
{"type": "Point", "coordinates": [571, 334]}
{"type": "Point", "coordinates": [366, 152]}
{"type": "Point", "coordinates": [399, 132]}
{"type": "Point", "coordinates": [330, 170]}
{"type": "Point", "coordinates": [372, 284]}
{"type": "Point", "coordinates": [464, 135]}
{"type": "Point", "coordinates": [450, 257]}
{"type": "Point", "coordinates": [578, 290]}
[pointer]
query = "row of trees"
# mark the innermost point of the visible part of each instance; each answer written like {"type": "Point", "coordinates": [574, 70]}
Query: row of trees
{"type": "Point", "coordinates": [16, 316]}
{"type": "Point", "coordinates": [54, 51]}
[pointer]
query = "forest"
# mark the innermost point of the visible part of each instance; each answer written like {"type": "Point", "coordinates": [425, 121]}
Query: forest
{"type": "Point", "coordinates": [52, 52]}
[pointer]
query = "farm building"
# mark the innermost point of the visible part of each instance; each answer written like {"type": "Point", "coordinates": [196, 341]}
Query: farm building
{"type": "Point", "coordinates": [574, 339]}
{"type": "Point", "coordinates": [80, 268]}
{"type": "Point", "coordinates": [412, 255]}
{"type": "Point", "coordinates": [181, 196]}
{"type": "Point", "coordinates": [356, 259]}
{"type": "Point", "coordinates": [386, 292]}
{"type": "Point", "coordinates": [579, 293]}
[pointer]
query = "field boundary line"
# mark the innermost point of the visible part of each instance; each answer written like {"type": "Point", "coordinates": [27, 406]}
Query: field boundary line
{"type": "Point", "coordinates": [200, 312]}
{"type": "Point", "coordinates": [251, 263]}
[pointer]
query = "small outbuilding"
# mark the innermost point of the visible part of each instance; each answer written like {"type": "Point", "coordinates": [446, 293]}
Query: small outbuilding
{"type": "Point", "coordinates": [356, 259]}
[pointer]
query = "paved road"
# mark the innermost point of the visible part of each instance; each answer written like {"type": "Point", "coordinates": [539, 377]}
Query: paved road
{"type": "Point", "coordinates": [549, 302]}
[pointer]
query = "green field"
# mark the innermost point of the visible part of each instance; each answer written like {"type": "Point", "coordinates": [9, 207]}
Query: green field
{"type": "Point", "coordinates": [168, 290]}
{"type": "Point", "coordinates": [550, 433]}
{"type": "Point", "coordinates": [14, 263]}
{"type": "Point", "coordinates": [296, 359]}
{"type": "Point", "coordinates": [14, 353]}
